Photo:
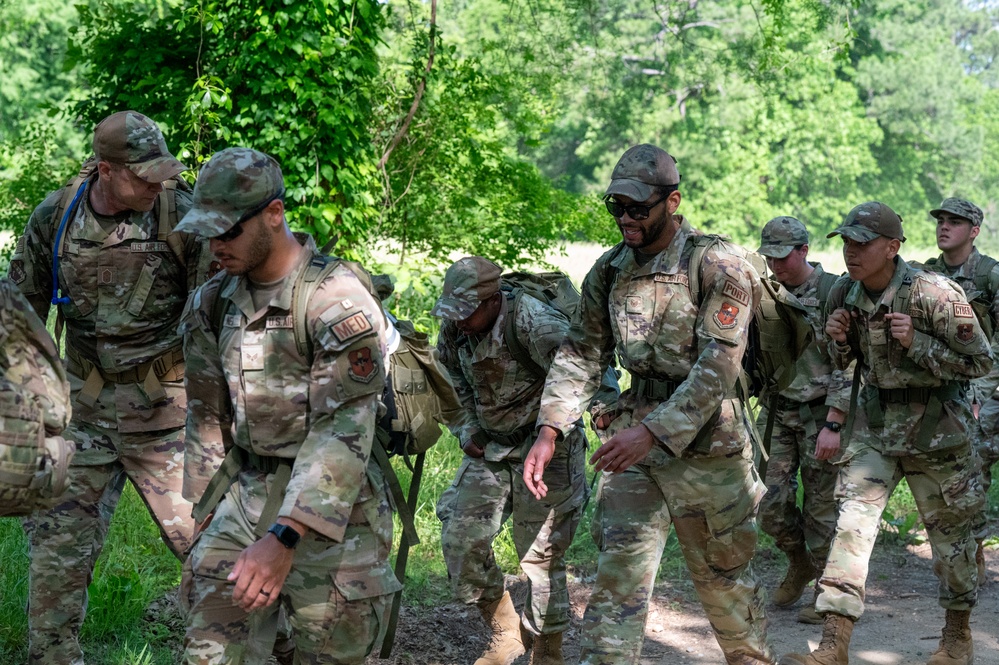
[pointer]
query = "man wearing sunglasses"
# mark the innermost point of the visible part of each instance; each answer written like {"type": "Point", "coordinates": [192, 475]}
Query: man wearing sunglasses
{"type": "Point", "coordinates": [102, 251]}
{"type": "Point", "coordinates": [958, 224]}
{"type": "Point", "coordinates": [680, 452]}
{"type": "Point", "coordinates": [306, 524]}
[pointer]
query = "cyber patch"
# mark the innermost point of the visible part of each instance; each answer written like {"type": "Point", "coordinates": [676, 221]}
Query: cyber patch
{"type": "Point", "coordinates": [736, 293]}
{"type": "Point", "coordinates": [351, 326]}
{"type": "Point", "coordinates": [727, 315]}
{"type": "Point", "coordinates": [963, 311]}
{"type": "Point", "coordinates": [362, 365]}
{"type": "Point", "coordinates": [17, 273]}
{"type": "Point", "coordinates": [965, 333]}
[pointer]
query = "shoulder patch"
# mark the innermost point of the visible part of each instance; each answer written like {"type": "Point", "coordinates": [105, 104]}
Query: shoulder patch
{"type": "Point", "coordinates": [21, 244]}
{"type": "Point", "coordinates": [965, 333]}
{"type": "Point", "coordinates": [963, 311]}
{"type": "Point", "coordinates": [362, 365]}
{"type": "Point", "coordinates": [727, 315]}
{"type": "Point", "coordinates": [736, 293]}
{"type": "Point", "coordinates": [351, 326]}
{"type": "Point", "coordinates": [16, 271]}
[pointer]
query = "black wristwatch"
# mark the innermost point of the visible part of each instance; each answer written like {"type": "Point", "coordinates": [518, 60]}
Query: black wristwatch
{"type": "Point", "coordinates": [285, 534]}
{"type": "Point", "coordinates": [833, 427]}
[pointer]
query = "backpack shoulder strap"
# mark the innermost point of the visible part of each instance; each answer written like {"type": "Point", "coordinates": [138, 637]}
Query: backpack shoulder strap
{"type": "Point", "coordinates": [308, 280]}
{"type": "Point", "coordinates": [700, 244]}
{"type": "Point", "coordinates": [167, 203]}
{"type": "Point", "coordinates": [986, 276]}
{"type": "Point", "coordinates": [826, 282]}
{"type": "Point", "coordinates": [513, 343]}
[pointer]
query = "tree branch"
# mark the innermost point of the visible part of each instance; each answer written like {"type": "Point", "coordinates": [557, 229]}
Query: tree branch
{"type": "Point", "coordinates": [420, 87]}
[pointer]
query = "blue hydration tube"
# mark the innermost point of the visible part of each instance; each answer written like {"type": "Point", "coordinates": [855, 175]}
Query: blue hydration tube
{"type": "Point", "coordinates": [56, 299]}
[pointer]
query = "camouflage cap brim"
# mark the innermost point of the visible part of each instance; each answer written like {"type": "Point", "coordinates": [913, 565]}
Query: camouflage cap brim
{"type": "Point", "coordinates": [776, 251]}
{"type": "Point", "coordinates": [160, 169]}
{"type": "Point", "coordinates": [633, 189]}
{"type": "Point", "coordinates": [856, 233]}
{"type": "Point", "coordinates": [454, 309]}
{"type": "Point", "coordinates": [207, 223]}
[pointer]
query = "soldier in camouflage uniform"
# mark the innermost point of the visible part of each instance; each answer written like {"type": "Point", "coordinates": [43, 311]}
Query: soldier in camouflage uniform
{"type": "Point", "coordinates": [958, 224]}
{"type": "Point", "coordinates": [681, 451]}
{"type": "Point", "coordinates": [501, 396]}
{"type": "Point", "coordinates": [34, 410]}
{"type": "Point", "coordinates": [916, 340]}
{"type": "Point", "coordinates": [124, 278]}
{"type": "Point", "coordinates": [306, 523]}
{"type": "Point", "coordinates": [800, 410]}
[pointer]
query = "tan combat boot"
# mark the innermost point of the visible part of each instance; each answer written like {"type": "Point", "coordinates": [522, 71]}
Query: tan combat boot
{"type": "Point", "coordinates": [547, 650]}
{"type": "Point", "coordinates": [955, 644]}
{"type": "Point", "coordinates": [983, 577]}
{"type": "Point", "coordinates": [834, 649]}
{"type": "Point", "coordinates": [800, 572]}
{"type": "Point", "coordinates": [506, 644]}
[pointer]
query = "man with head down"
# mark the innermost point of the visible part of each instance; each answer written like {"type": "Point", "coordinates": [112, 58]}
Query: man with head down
{"type": "Point", "coordinates": [34, 410]}
{"type": "Point", "coordinates": [305, 523]}
{"type": "Point", "coordinates": [958, 224]}
{"type": "Point", "coordinates": [680, 453]}
{"type": "Point", "coordinates": [794, 418]}
{"type": "Point", "coordinates": [500, 391]}
{"type": "Point", "coordinates": [105, 254]}
{"type": "Point", "coordinates": [916, 341]}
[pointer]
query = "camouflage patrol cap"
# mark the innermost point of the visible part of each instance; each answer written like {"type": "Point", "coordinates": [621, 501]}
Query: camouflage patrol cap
{"type": "Point", "coordinates": [641, 168]}
{"type": "Point", "coordinates": [234, 185]}
{"type": "Point", "coordinates": [870, 220]}
{"type": "Point", "coordinates": [781, 235]}
{"type": "Point", "coordinates": [961, 208]}
{"type": "Point", "coordinates": [467, 283]}
{"type": "Point", "coordinates": [133, 140]}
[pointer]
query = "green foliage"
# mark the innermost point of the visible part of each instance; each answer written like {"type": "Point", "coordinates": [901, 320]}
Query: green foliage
{"type": "Point", "coordinates": [134, 571]}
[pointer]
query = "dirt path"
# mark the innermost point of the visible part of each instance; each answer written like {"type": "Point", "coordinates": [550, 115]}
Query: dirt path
{"type": "Point", "coordinates": [901, 625]}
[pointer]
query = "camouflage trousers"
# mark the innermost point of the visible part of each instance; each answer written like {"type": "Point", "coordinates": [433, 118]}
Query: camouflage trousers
{"type": "Point", "coordinates": [67, 540]}
{"type": "Point", "coordinates": [792, 447]}
{"type": "Point", "coordinates": [712, 503]}
{"type": "Point", "coordinates": [946, 487]}
{"type": "Point", "coordinates": [336, 597]}
{"type": "Point", "coordinates": [472, 512]}
{"type": "Point", "coordinates": [987, 446]}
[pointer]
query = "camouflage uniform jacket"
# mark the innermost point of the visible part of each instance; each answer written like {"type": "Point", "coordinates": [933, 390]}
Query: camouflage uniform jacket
{"type": "Point", "coordinates": [647, 314]}
{"type": "Point", "coordinates": [815, 376]}
{"type": "Point", "coordinates": [126, 293]}
{"type": "Point", "coordinates": [981, 388]}
{"type": "Point", "coordinates": [32, 371]}
{"type": "Point", "coordinates": [250, 387]}
{"type": "Point", "coordinates": [499, 394]}
{"type": "Point", "coordinates": [948, 346]}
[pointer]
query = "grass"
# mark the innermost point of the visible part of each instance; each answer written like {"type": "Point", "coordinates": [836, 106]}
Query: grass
{"type": "Point", "coordinates": [131, 622]}
{"type": "Point", "coordinates": [135, 570]}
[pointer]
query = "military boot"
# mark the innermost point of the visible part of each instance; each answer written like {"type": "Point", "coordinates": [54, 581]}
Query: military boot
{"type": "Point", "coordinates": [983, 577]}
{"type": "Point", "coordinates": [834, 649]}
{"type": "Point", "coordinates": [506, 644]}
{"type": "Point", "coordinates": [547, 650]}
{"type": "Point", "coordinates": [800, 571]}
{"type": "Point", "coordinates": [955, 644]}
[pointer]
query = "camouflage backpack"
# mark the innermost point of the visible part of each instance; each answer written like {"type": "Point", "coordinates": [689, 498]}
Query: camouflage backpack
{"type": "Point", "coordinates": [779, 331]}
{"type": "Point", "coordinates": [552, 288]}
{"type": "Point", "coordinates": [986, 287]}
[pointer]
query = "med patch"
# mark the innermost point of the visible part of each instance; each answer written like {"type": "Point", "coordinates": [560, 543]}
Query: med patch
{"type": "Point", "coordinates": [351, 326]}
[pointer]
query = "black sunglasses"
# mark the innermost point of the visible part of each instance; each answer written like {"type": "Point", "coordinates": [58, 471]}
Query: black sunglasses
{"type": "Point", "coordinates": [237, 229]}
{"type": "Point", "coordinates": [637, 211]}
